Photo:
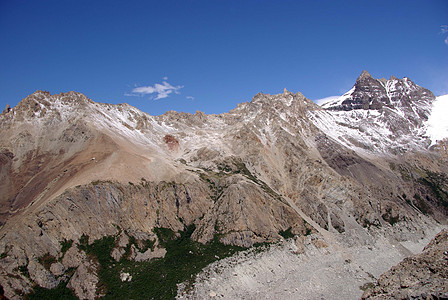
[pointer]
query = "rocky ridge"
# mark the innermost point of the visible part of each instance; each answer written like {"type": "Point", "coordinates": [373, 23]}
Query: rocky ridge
{"type": "Point", "coordinates": [72, 168]}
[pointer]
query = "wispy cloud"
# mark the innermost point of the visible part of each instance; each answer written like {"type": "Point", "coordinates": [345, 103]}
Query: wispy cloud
{"type": "Point", "coordinates": [160, 90]}
{"type": "Point", "coordinates": [190, 97]}
{"type": "Point", "coordinates": [325, 100]}
{"type": "Point", "coordinates": [444, 30]}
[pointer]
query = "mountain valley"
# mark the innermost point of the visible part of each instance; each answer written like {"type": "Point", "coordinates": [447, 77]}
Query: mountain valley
{"type": "Point", "coordinates": [279, 196]}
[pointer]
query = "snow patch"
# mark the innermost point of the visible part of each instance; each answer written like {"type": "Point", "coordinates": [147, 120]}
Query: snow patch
{"type": "Point", "coordinates": [325, 100]}
{"type": "Point", "coordinates": [338, 101]}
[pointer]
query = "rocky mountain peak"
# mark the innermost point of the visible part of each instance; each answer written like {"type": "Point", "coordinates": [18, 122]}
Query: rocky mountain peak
{"type": "Point", "coordinates": [375, 94]}
{"type": "Point", "coordinates": [364, 75]}
{"type": "Point", "coordinates": [394, 109]}
{"type": "Point", "coordinates": [279, 106]}
{"type": "Point", "coordinates": [7, 109]}
{"type": "Point", "coordinates": [43, 103]}
{"type": "Point", "coordinates": [287, 97]}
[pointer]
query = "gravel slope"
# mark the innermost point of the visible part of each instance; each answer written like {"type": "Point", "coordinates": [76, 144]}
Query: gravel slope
{"type": "Point", "coordinates": [305, 268]}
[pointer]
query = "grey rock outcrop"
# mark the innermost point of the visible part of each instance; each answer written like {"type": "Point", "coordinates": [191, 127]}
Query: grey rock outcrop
{"type": "Point", "coordinates": [73, 258]}
{"type": "Point", "coordinates": [147, 255]}
{"type": "Point", "coordinates": [41, 276]}
{"type": "Point", "coordinates": [422, 276]}
{"type": "Point", "coordinates": [84, 281]}
{"type": "Point", "coordinates": [57, 269]}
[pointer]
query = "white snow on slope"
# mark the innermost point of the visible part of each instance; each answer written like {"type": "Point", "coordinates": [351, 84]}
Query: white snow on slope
{"type": "Point", "coordinates": [326, 100]}
{"type": "Point", "coordinates": [338, 101]}
{"type": "Point", "coordinates": [360, 130]}
{"type": "Point", "coordinates": [438, 120]}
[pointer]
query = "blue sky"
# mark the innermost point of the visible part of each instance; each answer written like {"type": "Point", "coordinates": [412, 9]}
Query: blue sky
{"type": "Point", "coordinates": [211, 55]}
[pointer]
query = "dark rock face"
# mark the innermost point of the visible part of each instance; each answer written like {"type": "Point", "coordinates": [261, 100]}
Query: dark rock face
{"type": "Point", "coordinates": [347, 163]}
{"type": "Point", "coordinates": [423, 276]}
{"type": "Point", "coordinates": [375, 94]}
{"type": "Point", "coordinates": [369, 93]}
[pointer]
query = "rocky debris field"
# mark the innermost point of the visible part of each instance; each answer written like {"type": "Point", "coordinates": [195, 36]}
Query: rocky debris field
{"type": "Point", "coordinates": [307, 267]}
{"type": "Point", "coordinates": [422, 276]}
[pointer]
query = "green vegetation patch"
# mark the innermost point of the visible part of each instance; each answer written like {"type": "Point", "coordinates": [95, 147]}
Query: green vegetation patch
{"type": "Point", "coordinates": [431, 186]}
{"type": "Point", "coordinates": [83, 242]}
{"type": "Point", "coordinates": [367, 286]}
{"type": "Point", "coordinates": [389, 217]}
{"type": "Point", "coordinates": [24, 271]}
{"type": "Point", "coordinates": [65, 245]}
{"type": "Point", "coordinates": [60, 292]}
{"type": "Point", "coordinates": [242, 169]}
{"type": "Point", "coordinates": [422, 205]}
{"type": "Point", "coordinates": [287, 234]}
{"type": "Point", "coordinates": [155, 279]}
{"type": "Point", "coordinates": [142, 245]}
{"type": "Point", "coordinates": [231, 167]}
{"type": "Point", "coordinates": [98, 182]}
{"type": "Point", "coordinates": [210, 179]}
{"type": "Point", "coordinates": [438, 183]}
{"type": "Point", "coordinates": [47, 260]}
{"type": "Point", "coordinates": [158, 278]}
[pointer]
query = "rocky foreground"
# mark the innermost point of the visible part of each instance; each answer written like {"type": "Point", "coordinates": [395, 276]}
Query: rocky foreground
{"type": "Point", "coordinates": [422, 276]}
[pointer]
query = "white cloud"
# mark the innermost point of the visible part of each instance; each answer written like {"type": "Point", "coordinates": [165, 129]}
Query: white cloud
{"type": "Point", "coordinates": [161, 91]}
{"type": "Point", "coordinates": [325, 100]}
{"type": "Point", "coordinates": [444, 29]}
{"type": "Point", "coordinates": [131, 95]}
{"type": "Point", "coordinates": [438, 123]}
{"type": "Point", "coordinates": [190, 97]}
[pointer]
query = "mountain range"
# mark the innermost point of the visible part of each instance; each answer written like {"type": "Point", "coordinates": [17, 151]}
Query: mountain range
{"type": "Point", "coordinates": [73, 172]}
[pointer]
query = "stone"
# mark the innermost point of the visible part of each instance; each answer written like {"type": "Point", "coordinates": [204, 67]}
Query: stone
{"type": "Point", "coordinates": [57, 269]}
{"type": "Point", "coordinates": [84, 281]}
{"type": "Point", "coordinates": [123, 240]}
{"type": "Point", "coordinates": [148, 254]}
{"type": "Point", "coordinates": [73, 257]}
{"type": "Point", "coordinates": [41, 276]}
{"type": "Point", "coordinates": [125, 277]}
{"type": "Point", "coordinates": [117, 253]}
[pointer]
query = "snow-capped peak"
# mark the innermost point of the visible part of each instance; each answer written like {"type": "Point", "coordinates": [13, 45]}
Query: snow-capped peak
{"type": "Point", "coordinates": [379, 115]}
